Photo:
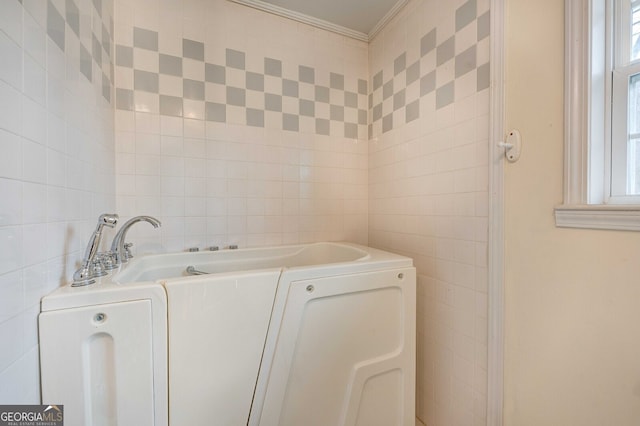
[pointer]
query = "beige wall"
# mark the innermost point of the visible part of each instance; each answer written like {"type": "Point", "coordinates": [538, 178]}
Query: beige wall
{"type": "Point", "coordinates": [572, 296]}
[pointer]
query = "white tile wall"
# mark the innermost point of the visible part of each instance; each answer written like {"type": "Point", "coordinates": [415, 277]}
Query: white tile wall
{"type": "Point", "coordinates": [428, 199]}
{"type": "Point", "coordinates": [56, 177]}
{"type": "Point", "coordinates": [222, 183]}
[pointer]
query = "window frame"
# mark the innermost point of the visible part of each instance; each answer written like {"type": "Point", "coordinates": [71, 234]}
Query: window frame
{"type": "Point", "coordinates": [587, 172]}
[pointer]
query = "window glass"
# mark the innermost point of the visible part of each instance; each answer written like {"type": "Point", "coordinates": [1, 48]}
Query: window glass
{"type": "Point", "coordinates": [633, 143]}
{"type": "Point", "coordinates": [635, 30]}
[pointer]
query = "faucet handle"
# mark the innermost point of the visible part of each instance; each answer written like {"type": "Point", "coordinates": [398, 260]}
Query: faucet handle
{"type": "Point", "coordinates": [97, 268]}
{"type": "Point", "coordinates": [127, 251]}
{"type": "Point", "coordinates": [108, 260]}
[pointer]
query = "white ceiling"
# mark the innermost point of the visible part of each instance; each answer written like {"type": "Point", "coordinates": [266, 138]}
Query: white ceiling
{"type": "Point", "coordinates": [360, 19]}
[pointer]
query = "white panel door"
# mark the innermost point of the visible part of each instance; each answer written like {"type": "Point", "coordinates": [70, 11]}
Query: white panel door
{"type": "Point", "coordinates": [97, 361]}
{"type": "Point", "coordinates": [217, 329]}
{"type": "Point", "coordinates": [345, 353]}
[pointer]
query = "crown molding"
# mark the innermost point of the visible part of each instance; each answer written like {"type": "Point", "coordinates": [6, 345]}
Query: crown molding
{"type": "Point", "coordinates": [322, 24]}
{"type": "Point", "coordinates": [386, 18]}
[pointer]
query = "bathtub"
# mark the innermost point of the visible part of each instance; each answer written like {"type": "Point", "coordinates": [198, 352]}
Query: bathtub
{"type": "Point", "coordinates": [316, 335]}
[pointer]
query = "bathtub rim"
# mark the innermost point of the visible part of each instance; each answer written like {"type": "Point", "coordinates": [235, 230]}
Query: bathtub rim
{"type": "Point", "coordinates": [106, 290]}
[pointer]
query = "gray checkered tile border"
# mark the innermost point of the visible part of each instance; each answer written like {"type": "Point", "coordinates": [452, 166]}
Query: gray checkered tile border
{"type": "Point", "coordinates": [188, 86]}
{"type": "Point", "coordinates": [89, 40]}
{"type": "Point", "coordinates": [394, 100]}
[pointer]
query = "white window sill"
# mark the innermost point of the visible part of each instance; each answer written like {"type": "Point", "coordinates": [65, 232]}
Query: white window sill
{"type": "Point", "coordinates": [619, 218]}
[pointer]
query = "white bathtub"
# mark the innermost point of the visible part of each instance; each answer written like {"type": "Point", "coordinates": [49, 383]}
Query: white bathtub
{"type": "Point", "coordinates": [315, 335]}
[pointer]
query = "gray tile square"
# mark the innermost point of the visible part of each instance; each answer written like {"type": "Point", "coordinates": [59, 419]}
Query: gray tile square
{"type": "Point", "coordinates": [306, 74]}
{"type": "Point", "coordinates": [98, 5]}
{"type": "Point", "coordinates": [399, 100]}
{"type": "Point", "coordinates": [400, 64]}
{"type": "Point", "coordinates": [351, 99]}
{"type": "Point", "coordinates": [86, 62]}
{"type": "Point", "coordinates": [413, 72]}
{"type": "Point", "coordinates": [483, 76]}
{"type": "Point", "coordinates": [428, 42]}
{"type": "Point", "coordinates": [466, 61]}
{"type": "Point", "coordinates": [55, 25]}
{"type": "Point", "coordinates": [370, 103]}
{"type": "Point", "coordinates": [96, 50]}
{"type": "Point", "coordinates": [290, 122]}
{"type": "Point", "coordinates": [255, 81]}
{"type": "Point", "coordinates": [377, 80]}
{"type": "Point", "coordinates": [484, 26]}
{"type": "Point", "coordinates": [362, 86]}
{"type": "Point", "coordinates": [73, 16]}
{"type": "Point", "coordinates": [106, 40]}
{"type": "Point", "coordinates": [255, 117]}
{"type": "Point", "coordinates": [170, 65]}
{"type": "Point", "coordinates": [290, 88]}
{"type": "Point", "coordinates": [445, 95]}
{"type": "Point", "coordinates": [171, 105]}
{"type": "Point", "coordinates": [412, 112]}
{"type": "Point", "coordinates": [336, 81]}
{"type": "Point", "coordinates": [336, 113]}
{"type": "Point", "coordinates": [106, 88]}
{"type": "Point", "coordinates": [322, 94]}
{"type": "Point", "coordinates": [193, 89]}
{"type": "Point", "coordinates": [377, 112]}
{"type": "Point", "coordinates": [215, 112]}
{"type": "Point", "coordinates": [362, 116]}
{"type": "Point", "coordinates": [370, 131]}
{"type": "Point", "coordinates": [465, 14]}
{"type": "Point", "coordinates": [145, 81]}
{"type": "Point", "coordinates": [307, 108]}
{"type": "Point", "coordinates": [351, 130]}
{"type": "Point", "coordinates": [273, 102]}
{"type": "Point", "coordinates": [124, 56]}
{"type": "Point", "coordinates": [273, 67]}
{"type": "Point", "coordinates": [322, 126]}
{"type": "Point", "coordinates": [387, 89]}
{"type": "Point", "coordinates": [215, 73]}
{"type": "Point", "coordinates": [145, 39]}
{"type": "Point", "coordinates": [124, 99]}
{"type": "Point", "coordinates": [236, 96]}
{"type": "Point", "coordinates": [192, 49]}
{"type": "Point", "coordinates": [445, 51]}
{"type": "Point", "coordinates": [428, 83]}
{"type": "Point", "coordinates": [235, 59]}
{"type": "Point", "coordinates": [387, 123]}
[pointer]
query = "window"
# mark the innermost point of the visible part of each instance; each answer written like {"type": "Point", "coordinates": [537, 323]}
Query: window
{"type": "Point", "coordinates": [602, 115]}
{"type": "Point", "coordinates": [625, 103]}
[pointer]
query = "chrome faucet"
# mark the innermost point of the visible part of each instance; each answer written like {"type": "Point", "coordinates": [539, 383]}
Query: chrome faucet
{"type": "Point", "coordinates": [119, 249]}
{"type": "Point", "coordinates": [91, 267]}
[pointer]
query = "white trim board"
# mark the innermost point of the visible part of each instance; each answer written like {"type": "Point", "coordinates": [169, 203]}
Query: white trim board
{"type": "Point", "coordinates": [320, 23]}
{"type": "Point", "coordinates": [495, 361]}
{"type": "Point", "coordinates": [618, 218]}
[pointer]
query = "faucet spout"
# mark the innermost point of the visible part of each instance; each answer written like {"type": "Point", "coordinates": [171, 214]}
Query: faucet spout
{"type": "Point", "coordinates": [118, 243]}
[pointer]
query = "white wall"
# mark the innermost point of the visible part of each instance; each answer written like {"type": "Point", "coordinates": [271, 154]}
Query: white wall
{"type": "Point", "coordinates": [274, 177]}
{"type": "Point", "coordinates": [56, 163]}
{"type": "Point", "coordinates": [572, 296]}
{"type": "Point", "coordinates": [428, 188]}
